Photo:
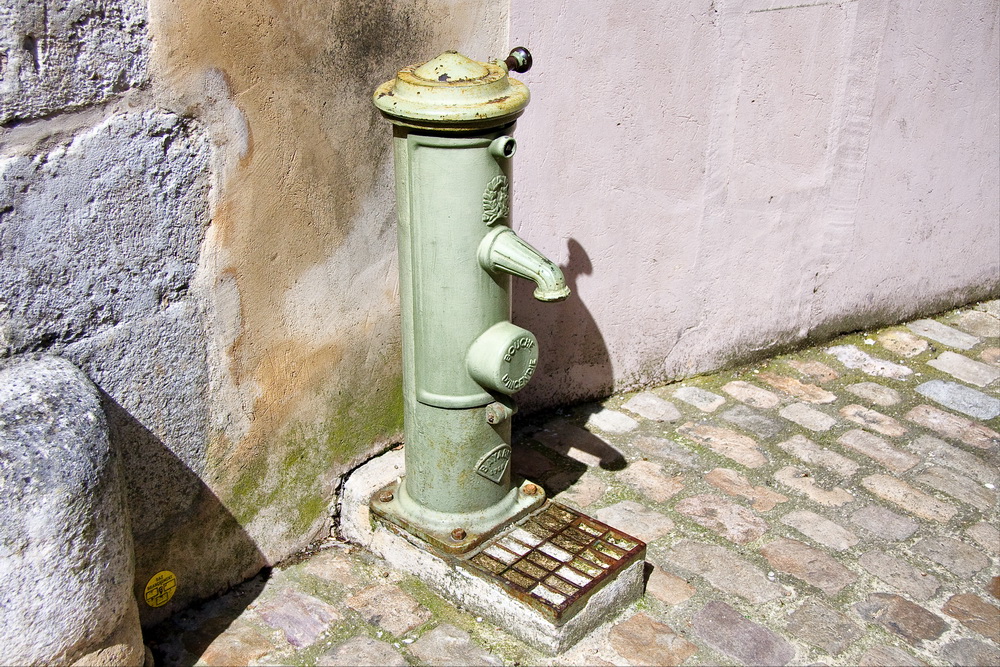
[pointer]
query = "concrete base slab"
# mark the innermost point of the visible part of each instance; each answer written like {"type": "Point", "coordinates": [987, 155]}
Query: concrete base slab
{"type": "Point", "coordinates": [453, 578]}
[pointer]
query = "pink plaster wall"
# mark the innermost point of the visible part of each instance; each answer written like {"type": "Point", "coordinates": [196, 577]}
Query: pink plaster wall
{"type": "Point", "coordinates": [721, 178]}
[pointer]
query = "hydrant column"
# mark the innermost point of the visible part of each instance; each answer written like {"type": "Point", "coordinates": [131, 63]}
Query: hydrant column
{"type": "Point", "coordinates": [462, 357]}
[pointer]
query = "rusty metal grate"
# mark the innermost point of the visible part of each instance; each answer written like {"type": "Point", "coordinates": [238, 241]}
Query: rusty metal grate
{"type": "Point", "coordinates": [556, 559]}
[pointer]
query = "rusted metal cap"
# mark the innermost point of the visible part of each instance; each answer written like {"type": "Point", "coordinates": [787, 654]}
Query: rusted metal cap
{"type": "Point", "coordinates": [452, 93]}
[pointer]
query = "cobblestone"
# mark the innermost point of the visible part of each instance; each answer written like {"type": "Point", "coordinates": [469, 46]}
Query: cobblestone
{"type": "Point", "coordinates": [909, 499]}
{"type": "Point", "coordinates": [943, 334]}
{"type": "Point", "coordinates": [652, 407]}
{"type": "Point", "coordinates": [851, 357]}
{"type": "Point", "coordinates": [724, 629]}
{"type": "Point", "coordinates": [724, 570]}
{"type": "Point", "coordinates": [751, 394]}
{"type": "Point", "coordinates": [879, 450]}
{"type": "Point", "coordinates": [820, 529]}
{"type": "Point", "coordinates": [728, 519]}
{"type": "Point", "coordinates": [876, 393]}
{"type": "Point", "coordinates": [884, 523]}
{"type": "Point", "coordinates": [728, 443]}
{"type": "Point", "coordinates": [810, 565]}
{"type": "Point", "coordinates": [900, 575]}
{"type": "Point", "coordinates": [803, 482]}
{"type": "Point", "coordinates": [960, 398]}
{"type": "Point", "coordinates": [823, 627]}
{"type": "Point", "coordinates": [705, 401]}
{"type": "Point", "coordinates": [750, 420]}
{"type": "Point", "coordinates": [901, 617]}
{"type": "Point", "coordinates": [735, 484]}
{"type": "Point", "coordinates": [965, 369]}
{"type": "Point", "coordinates": [874, 420]}
{"type": "Point", "coordinates": [871, 542]}
{"type": "Point", "coordinates": [975, 613]}
{"type": "Point", "coordinates": [808, 451]}
{"type": "Point", "coordinates": [809, 393]}
{"type": "Point", "coordinates": [643, 641]}
{"type": "Point", "coordinates": [807, 417]}
{"type": "Point", "coordinates": [958, 557]}
{"type": "Point", "coordinates": [954, 427]}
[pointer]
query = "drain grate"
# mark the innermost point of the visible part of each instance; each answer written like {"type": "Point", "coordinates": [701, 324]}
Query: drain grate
{"type": "Point", "coordinates": [556, 559]}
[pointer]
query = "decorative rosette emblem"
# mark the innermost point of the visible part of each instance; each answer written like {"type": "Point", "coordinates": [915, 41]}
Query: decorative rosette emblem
{"type": "Point", "coordinates": [496, 200]}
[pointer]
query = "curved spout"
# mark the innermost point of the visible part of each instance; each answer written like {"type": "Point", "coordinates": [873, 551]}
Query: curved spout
{"type": "Point", "coordinates": [503, 250]}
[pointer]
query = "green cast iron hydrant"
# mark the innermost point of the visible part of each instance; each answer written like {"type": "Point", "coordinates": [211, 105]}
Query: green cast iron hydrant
{"type": "Point", "coordinates": [462, 357]}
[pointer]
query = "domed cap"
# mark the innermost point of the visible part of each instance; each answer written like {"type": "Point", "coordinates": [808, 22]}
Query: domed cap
{"type": "Point", "coordinates": [452, 92]}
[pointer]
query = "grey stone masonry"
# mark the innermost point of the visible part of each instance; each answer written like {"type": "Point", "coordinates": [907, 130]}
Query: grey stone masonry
{"type": "Point", "coordinates": [100, 231]}
{"type": "Point", "coordinates": [65, 54]}
{"type": "Point", "coordinates": [65, 544]}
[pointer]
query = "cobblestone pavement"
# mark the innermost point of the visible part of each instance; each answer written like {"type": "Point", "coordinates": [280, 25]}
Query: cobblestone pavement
{"type": "Point", "coordinates": [836, 506]}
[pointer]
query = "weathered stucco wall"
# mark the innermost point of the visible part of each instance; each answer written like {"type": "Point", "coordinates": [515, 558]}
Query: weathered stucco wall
{"type": "Point", "coordinates": [196, 209]}
{"type": "Point", "coordinates": [722, 177]}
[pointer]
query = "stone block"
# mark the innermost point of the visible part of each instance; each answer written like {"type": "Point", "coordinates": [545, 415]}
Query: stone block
{"type": "Point", "coordinates": [636, 519]}
{"type": "Point", "coordinates": [752, 395]}
{"type": "Point", "coordinates": [958, 487]}
{"type": "Point", "coordinates": [61, 56]}
{"type": "Point", "coordinates": [851, 357]}
{"type": "Point", "coordinates": [971, 652]}
{"type": "Point", "coordinates": [960, 398]}
{"type": "Point", "coordinates": [901, 617]}
{"type": "Point", "coordinates": [735, 484]}
{"type": "Point", "coordinates": [724, 629]}
{"type": "Point", "coordinates": [652, 407]}
{"type": "Point", "coordinates": [668, 588]}
{"type": "Point", "coordinates": [884, 523]}
{"type": "Point", "coordinates": [967, 370]}
{"type": "Point", "coordinates": [66, 555]}
{"type": "Point", "coordinates": [823, 627]}
{"type": "Point", "coordinates": [975, 613]}
{"type": "Point", "coordinates": [724, 570]}
{"type": "Point", "coordinates": [448, 645]}
{"type": "Point", "coordinates": [878, 450]}
{"type": "Point", "coordinates": [300, 617]}
{"type": "Point", "coordinates": [704, 400]}
{"type": "Point", "coordinates": [957, 557]}
{"type": "Point", "coordinates": [362, 652]}
{"type": "Point", "coordinates": [740, 448]}
{"type": "Point", "coordinates": [648, 478]}
{"type": "Point", "coordinates": [889, 656]}
{"type": "Point", "coordinates": [935, 450]}
{"type": "Point", "coordinates": [903, 343]}
{"type": "Point", "coordinates": [804, 482]}
{"type": "Point", "coordinates": [808, 451]}
{"type": "Point", "coordinates": [909, 499]}
{"type": "Point", "coordinates": [952, 426]}
{"type": "Point", "coordinates": [820, 529]}
{"type": "Point", "coordinates": [815, 370]}
{"type": "Point", "coordinates": [668, 449]}
{"type": "Point", "coordinates": [873, 420]}
{"type": "Point", "coordinates": [810, 565]}
{"type": "Point", "coordinates": [803, 391]}
{"type": "Point", "coordinates": [643, 641]}
{"type": "Point", "coordinates": [750, 420]}
{"type": "Point", "coordinates": [876, 393]}
{"type": "Point", "coordinates": [101, 231]}
{"type": "Point", "coordinates": [807, 417]}
{"type": "Point", "coordinates": [611, 421]}
{"type": "Point", "coordinates": [986, 535]}
{"type": "Point", "coordinates": [943, 334]}
{"type": "Point", "coordinates": [737, 524]}
{"type": "Point", "coordinates": [979, 323]}
{"type": "Point", "coordinates": [900, 575]}
{"type": "Point", "coordinates": [388, 607]}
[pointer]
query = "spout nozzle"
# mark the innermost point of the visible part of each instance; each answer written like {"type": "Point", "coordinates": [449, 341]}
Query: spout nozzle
{"type": "Point", "coordinates": [503, 250]}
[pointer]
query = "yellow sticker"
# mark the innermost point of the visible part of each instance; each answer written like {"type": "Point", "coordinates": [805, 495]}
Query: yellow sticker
{"type": "Point", "coordinates": [161, 588]}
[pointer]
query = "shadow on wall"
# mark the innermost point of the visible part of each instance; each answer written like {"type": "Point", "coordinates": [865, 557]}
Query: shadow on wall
{"type": "Point", "coordinates": [572, 353]}
{"type": "Point", "coordinates": [191, 514]}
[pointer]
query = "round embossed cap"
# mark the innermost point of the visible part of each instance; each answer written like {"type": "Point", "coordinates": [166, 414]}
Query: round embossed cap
{"type": "Point", "coordinates": [452, 93]}
{"type": "Point", "coordinates": [503, 358]}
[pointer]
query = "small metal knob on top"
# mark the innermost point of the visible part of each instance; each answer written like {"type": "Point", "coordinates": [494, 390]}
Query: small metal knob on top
{"type": "Point", "coordinates": [519, 60]}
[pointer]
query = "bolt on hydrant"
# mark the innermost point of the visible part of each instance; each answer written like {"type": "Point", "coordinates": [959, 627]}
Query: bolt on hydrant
{"type": "Point", "coordinates": [453, 120]}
